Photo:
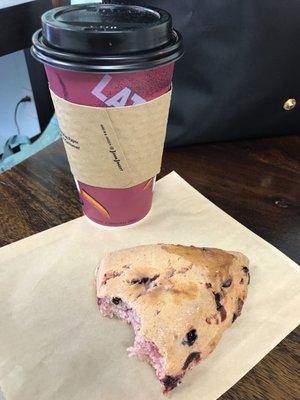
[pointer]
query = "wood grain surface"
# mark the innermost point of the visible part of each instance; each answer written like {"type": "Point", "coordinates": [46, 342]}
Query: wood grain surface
{"type": "Point", "coordinates": [257, 182]}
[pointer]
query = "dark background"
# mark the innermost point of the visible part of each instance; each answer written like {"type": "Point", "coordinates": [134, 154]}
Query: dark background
{"type": "Point", "coordinates": [242, 62]}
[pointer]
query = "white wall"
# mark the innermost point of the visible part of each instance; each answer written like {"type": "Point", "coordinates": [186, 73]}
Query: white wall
{"type": "Point", "coordinates": [15, 84]}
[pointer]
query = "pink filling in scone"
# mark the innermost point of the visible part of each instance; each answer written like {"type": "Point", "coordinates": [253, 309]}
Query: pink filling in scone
{"type": "Point", "coordinates": [144, 349]}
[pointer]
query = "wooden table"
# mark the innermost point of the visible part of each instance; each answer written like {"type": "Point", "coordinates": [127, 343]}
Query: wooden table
{"type": "Point", "coordinates": [255, 181]}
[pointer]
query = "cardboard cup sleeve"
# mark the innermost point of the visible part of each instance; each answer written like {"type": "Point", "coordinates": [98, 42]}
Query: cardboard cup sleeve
{"type": "Point", "coordinates": [114, 147]}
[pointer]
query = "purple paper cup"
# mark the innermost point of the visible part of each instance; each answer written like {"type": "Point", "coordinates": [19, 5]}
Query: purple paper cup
{"type": "Point", "coordinates": [109, 56]}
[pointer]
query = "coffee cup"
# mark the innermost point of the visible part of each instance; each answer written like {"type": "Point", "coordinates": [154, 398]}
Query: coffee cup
{"type": "Point", "coordinates": [102, 60]}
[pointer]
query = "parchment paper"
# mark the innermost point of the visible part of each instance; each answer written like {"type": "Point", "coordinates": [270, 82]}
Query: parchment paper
{"type": "Point", "coordinates": [55, 345]}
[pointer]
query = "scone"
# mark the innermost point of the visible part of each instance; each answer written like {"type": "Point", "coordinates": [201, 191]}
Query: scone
{"type": "Point", "coordinates": [178, 299]}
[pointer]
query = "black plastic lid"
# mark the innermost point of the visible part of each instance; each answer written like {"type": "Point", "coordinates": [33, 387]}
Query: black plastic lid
{"type": "Point", "coordinates": [107, 37]}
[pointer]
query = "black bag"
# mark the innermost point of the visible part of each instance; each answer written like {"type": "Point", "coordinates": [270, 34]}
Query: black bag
{"type": "Point", "coordinates": [242, 63]}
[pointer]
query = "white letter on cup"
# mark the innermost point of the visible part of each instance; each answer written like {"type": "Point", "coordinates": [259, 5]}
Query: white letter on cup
{"type": "Point", "coordinates": [137, 99]}
{"type": "Point", "coordinates": [119, 99]}
{"type": "Point", "coordinates": [97, 91]}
